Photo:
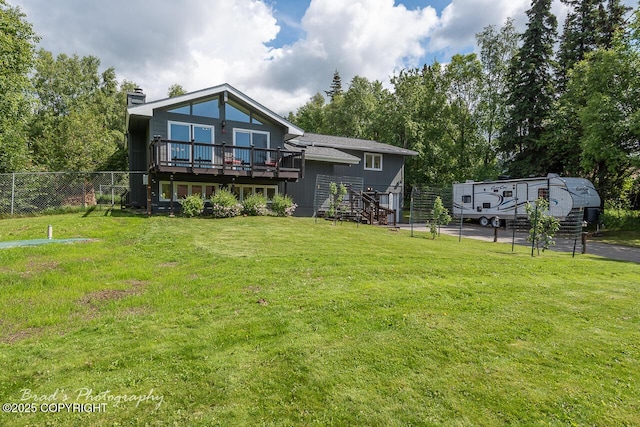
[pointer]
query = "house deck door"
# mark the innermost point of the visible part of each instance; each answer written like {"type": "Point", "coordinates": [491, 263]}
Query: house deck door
{"type": "Point", "coordinates": [203, 155]}
{"type": "Point", "coordinates": [201, 134]}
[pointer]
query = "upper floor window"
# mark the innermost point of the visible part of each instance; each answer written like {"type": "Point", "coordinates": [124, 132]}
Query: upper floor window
{"type": "Point", "coordinates": [373, 161]}
{"type": "Point", "coordinates": [237, 113]}
{"type": "Point", "coordinates": [208, 108]}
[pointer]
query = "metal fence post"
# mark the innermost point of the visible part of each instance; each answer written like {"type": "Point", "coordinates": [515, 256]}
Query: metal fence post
{"type": "Point", "coordinates": [113, 200]}
{"type": "Point", "coordinates": [13, 190]}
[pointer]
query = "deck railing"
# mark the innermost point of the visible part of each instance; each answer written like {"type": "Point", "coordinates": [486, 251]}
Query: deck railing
{"type": "Point", "coordinates": [224, 159]}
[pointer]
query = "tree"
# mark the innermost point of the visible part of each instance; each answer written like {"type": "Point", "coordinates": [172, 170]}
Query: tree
{"type": "Point", "coordinates": [17, 52]}
{"type": "Point", "coordinates": [543, 226]}
{"type": "Point", "coordinates": [497, 48]}
{"type": "Point", "coordinates": [614, 22]}
{"type": "Point", "coordinates": [311, 116]}
{"type": "Point", "coordinates": [336, 86]}
{"type": "Point", "coordinates": [605, 88]}
{"type": "Point", "coordinates": [463, 79]}
{"type": "Point", "coordinates": [440, 217]}
{"type": "Point", "coordinates": [583, 32]}
{"type": "Point", "coordinates": [175, 90]}
{"type": "Point", "coordinates": [357, 112]}
{"type": "Point", "coordinates": [418, 107]}
{"type": "Point", "coordinates": [531, 94]}
{"type": "Point", "coordinates": [79, 120]}
{"type": "Point", "coordinates": [336, 197]}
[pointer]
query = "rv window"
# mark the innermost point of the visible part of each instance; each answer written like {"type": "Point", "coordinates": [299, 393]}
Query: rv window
{"type": "Point", "coordinates": [466, 199]}
{"type": "Point", "coordinates": [486, 205]}
{"type": "Point", "coordinates": [507, 193]}
{"type": "Point", "coordinates": [543, 193]}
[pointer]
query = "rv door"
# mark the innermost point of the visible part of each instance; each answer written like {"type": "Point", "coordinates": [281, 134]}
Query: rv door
{"type": "Point", "coordinates": [522, 196]}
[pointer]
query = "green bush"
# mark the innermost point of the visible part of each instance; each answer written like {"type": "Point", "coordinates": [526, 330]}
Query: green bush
{"type": "Point", "coordinates": [225, 205]}
{"type": "Point", "coordinates": [282, 205]}
{"type": "Point", "coordinates": [192, 205]}
{"type": "Point", "coordinates": [255, 205]}
{"type": "Point", "coordinates": [543, 225]}
{"type": "Point", "coordinates": [621, 219]}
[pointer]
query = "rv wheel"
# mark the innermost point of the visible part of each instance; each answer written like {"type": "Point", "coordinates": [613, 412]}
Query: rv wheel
{"type": "Point", "coordinates": [483, 221]}
{"type": "Point", "coordinates": [495, 222]}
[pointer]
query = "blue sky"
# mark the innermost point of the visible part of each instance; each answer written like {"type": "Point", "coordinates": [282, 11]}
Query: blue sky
{"type": "Point", "coordinates": [279, 52]}
{"type": "Point", "coordinates": [289, 14]}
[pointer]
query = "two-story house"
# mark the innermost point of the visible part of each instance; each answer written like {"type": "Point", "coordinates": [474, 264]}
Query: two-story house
{"type": "Point", "coordinates": [220, 138]}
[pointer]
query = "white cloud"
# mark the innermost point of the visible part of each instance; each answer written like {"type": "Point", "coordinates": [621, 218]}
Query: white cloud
{"type": "Point", "coordinates": [203, 43]}
{"type": "Point", "coordinates": [462, 19]}
{"type": "Point", "coordinates": [370, 38]}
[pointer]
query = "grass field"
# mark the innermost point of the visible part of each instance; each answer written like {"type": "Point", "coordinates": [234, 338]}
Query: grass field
{"type": "Point", "coordinates": [284, 321]}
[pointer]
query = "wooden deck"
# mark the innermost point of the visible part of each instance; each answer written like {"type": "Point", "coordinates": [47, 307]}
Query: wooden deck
{"type": "Point", "coordinates": [229, 160]}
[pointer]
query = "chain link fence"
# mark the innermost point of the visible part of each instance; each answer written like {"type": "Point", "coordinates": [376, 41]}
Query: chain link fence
{"type": "Point", "coordinates": [40, 192]}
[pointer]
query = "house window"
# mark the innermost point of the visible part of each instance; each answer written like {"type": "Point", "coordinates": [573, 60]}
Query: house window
{"type": "Point", "coordinates": [247, 138]}
{"type": "Point", "coordinates": [236, 113]}
{"type": "Point", "coordinates": [208, 108]}
{"type": "Point", "coordinates": [184, 189]}
{"type": "Point", "coordinates": [373, 161]}
{"type": "Point", "coordinates": [185, 109]}
{"type": "Point", "coordinates": [244, 191]}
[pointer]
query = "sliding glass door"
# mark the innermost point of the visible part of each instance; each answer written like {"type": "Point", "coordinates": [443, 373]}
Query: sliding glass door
{"type": "Point", "coordinates": [180, 153]}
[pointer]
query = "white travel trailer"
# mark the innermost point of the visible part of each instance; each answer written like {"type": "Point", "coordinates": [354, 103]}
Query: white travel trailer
{"type": "Point", "coordinates": [492, 201]}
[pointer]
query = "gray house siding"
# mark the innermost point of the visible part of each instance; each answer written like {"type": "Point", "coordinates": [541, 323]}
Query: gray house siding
{"type": "Point", "coordinates": [303, 191]}
{"type": "Point", "coordinates": [386, 180]}
{"type": "Point", "coordinates": [138, 161]}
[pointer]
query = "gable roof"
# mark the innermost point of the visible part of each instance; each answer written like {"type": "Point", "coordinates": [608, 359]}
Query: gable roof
{"type": "Point", "coordinates": [146, 109]}
{"type": "Point", "coordinates": [354, 144]}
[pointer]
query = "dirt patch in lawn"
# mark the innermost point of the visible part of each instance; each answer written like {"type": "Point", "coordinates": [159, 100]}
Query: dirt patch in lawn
{"type": "Point", "coordinates": [97, 298]}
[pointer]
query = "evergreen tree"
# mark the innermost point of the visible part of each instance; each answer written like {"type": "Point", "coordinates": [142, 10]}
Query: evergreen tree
{"type": "Point", "coordinates": [582, 33]}
{"type": "Point", "coordinates": [336, 86]}
{"type": "Point", "coordinates": [531, 93]}
{"type": "Point", "coordinates": [589, 26]}
{"type": "Point", "coordinates": [614, 21]}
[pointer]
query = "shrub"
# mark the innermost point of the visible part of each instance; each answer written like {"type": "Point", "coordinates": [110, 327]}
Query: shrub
{"type": "Point", "coordinates": [440, 217]}
{"type": "Point", "coordinates": [192, 205]}
{"type": "Point", "coordinates": [543, 225]}
{"type": "Point", "coordinates": [283, 205]}
{"type": "Point", "coordinates": [255, 205]}
{"type": "Point", "coordinates": [621, 219]}
{"type": "Point", "coordinates": [225, 205]}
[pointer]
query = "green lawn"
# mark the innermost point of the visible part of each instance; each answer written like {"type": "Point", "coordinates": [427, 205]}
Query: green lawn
{"type": "Point", "coordinates": [625, 238]}
{"type": "Point", "coordinates": [285, 321]}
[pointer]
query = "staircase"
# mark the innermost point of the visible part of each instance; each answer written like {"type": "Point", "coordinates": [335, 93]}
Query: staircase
{"type": "Point", "coordinates": [364, 207]}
